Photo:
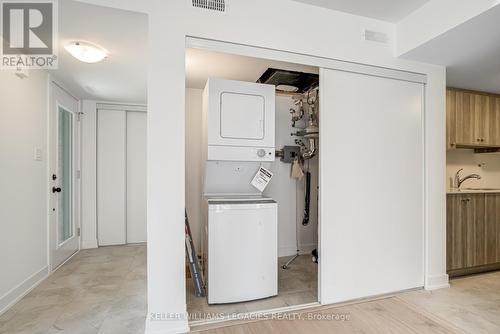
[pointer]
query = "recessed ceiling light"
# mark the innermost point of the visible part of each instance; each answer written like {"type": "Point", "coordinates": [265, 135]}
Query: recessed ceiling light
{"type": "Point", "coordinates": [86, 52]}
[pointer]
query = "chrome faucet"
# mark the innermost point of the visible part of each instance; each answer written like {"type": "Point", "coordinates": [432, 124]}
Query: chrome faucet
{"type": "Point", "coordinates": [459, 180]}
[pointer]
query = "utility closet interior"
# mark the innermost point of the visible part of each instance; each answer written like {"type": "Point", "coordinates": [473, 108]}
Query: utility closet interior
{"type": "Point", "coordinates": [252, 150]}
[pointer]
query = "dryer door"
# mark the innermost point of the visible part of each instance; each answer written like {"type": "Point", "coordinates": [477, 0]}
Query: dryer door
{"type": "Point", "coordinates": [242, 116]}
{"type": "Point", "coordinates": [239, 114]}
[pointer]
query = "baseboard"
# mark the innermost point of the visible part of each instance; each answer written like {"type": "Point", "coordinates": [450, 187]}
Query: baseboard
{"type": "Point", "coordinates": [305, 249]}
{"type": "Point", "coordinates": [166, 326]}
{"type": "Point", "coordinates": [14, 295]}
{"type": "Point", "coordinates": [89, 244]}
{"type": "Point", "coordinates": [286, 251]}
{"type": "Point", "coordinates": [434, 282]}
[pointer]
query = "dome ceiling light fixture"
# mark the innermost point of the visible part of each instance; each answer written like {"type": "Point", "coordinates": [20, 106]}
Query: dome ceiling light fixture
{"type": "Point", "coordinates": [86, 52]}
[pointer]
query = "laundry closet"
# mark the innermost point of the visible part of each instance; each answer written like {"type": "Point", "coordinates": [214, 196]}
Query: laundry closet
{"type": "Point", "coordinates": [252, 132]}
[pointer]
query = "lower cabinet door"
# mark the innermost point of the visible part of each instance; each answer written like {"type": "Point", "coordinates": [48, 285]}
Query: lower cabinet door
{"type": "Point", "coordinates": [475, 231]}
{"type": "Point", "coordinates": [458, 214]}
{"type": "Point", "coordinates": [492, 228]}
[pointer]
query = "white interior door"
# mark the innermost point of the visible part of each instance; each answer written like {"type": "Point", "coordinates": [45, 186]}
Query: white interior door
{"type": "Point", "coordinates": [371, 230]}
{"type": "Point", "coordinates": [64, 132]}
{"type": "Point", "coordinates": [136, 177]}
{"type": "Point", "coordinates": [111, 177]}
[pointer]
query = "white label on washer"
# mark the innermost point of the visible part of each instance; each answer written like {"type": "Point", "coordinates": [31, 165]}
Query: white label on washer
{"type": "Point", "coordinates": [261, 179]}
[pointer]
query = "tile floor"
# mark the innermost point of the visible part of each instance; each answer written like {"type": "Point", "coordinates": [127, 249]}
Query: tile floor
{"type": "Point", "coordinates": [296, 285]}
{"type": "Point", "coordinates": [98, 291]}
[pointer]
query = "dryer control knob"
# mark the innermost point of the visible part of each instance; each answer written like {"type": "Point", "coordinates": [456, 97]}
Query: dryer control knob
{"type": "Point", "coordinates": [261, 153]}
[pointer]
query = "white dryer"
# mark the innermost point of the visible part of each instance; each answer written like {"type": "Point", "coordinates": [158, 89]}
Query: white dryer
{"type": "Point", "coordinates": [239, 120]}
{"type": "Point", "coordinates": [242, 247]}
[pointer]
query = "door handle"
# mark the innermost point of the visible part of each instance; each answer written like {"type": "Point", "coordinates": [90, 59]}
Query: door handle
{"type": "Point", "coordinates": [56, 190]}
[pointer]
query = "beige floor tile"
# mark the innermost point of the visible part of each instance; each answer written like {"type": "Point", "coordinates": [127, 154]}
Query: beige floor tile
{"type": "Point", "coordinates": [98, 290]}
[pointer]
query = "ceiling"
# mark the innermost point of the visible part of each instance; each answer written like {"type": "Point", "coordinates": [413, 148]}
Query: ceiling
{"type": "Point", "coordinates": [201, 65]}
{"type": "Point", "coordinates": [470, 52]}
{"type": "Point", "coordinates": [123, 75]}
{"type": "Point", "coordinates": [385, 10]}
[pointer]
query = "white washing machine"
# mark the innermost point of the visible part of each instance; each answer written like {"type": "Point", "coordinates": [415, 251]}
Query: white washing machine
{"type": "Point", "coordinates": [242, 248]}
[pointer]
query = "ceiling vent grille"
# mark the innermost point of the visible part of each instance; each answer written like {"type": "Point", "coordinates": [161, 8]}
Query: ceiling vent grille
{"type": "Point", "coordinates": [215, 5]}
{"type": "Point", "coordinates": [376, 36]}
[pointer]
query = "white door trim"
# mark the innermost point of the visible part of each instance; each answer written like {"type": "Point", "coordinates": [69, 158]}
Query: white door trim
{"type": "Point", "coordinates": [303, 59]}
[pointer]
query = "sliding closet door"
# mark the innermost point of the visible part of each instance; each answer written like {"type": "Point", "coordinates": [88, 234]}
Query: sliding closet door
{"type": "Point", "coordinates": [371, 185]}
{"type": "Point", "coordinates": [111, 177]}
{"type": "Point", "coordinates": [136, 176]}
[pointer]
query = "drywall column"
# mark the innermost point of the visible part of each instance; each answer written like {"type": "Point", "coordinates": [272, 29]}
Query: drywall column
{"type": "Point", "coordinates": [166, 188]}
{"type": "Point", "coordinates": [435, 180]}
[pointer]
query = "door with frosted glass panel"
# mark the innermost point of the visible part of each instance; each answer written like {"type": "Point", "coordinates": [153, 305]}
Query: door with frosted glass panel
{"type": "Point", "coordinates": [64, 143]}
{"type": "Point", "coordinates": [65, 228]}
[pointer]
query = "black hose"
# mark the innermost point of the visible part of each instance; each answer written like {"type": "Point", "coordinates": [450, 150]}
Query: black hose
{"type": "Point", "coordinates": [307, 204]}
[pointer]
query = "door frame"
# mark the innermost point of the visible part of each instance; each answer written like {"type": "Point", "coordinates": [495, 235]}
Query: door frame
{"type": "Point", "coordinates": [322, 62]}
{"type": "Point", "coordinates": [52, 151]}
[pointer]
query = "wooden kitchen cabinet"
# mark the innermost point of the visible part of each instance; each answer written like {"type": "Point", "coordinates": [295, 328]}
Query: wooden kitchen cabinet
{"type": "Point", "coordinates": [472, 119]}
{"type": "Point", "coordinates": [473, 233]}
{"type": "Point", "coordinates": [492, 228]}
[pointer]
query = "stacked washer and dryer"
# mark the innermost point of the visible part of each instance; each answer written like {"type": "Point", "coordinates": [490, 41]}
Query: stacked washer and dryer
{"type": "Point", "coordinates": [240, 232]}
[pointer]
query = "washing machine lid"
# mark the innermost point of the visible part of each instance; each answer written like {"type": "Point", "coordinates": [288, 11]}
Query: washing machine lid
{"type": "Point", "coordinates": [238, 199]}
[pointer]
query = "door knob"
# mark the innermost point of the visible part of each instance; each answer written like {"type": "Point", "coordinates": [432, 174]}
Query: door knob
{"type": "Point", "coordinates": [56, 190]}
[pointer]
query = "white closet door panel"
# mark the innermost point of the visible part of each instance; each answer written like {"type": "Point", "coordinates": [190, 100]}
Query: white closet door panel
{"type": "Point", "coordinates": [371, 185]}
{"type": "Point", "coordinates": [136, 177]}
{"type": "Point", "coordinates": [111, 178]}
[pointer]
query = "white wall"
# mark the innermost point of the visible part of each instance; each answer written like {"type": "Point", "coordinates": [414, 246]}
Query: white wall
{"type": "Point", "coordinates": [486, 164]}
{"type": "Point", "coordinates": [23, 183]}
{"type": "Point", "coordinates": [435, 18]}
{"type": "Point", "coordinates": [286, 191]}
{"type": "Point", "coordinates": [335, 36]}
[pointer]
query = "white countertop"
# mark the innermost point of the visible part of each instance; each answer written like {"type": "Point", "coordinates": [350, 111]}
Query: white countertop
{"type": "Point", "coordinates": [473, 191]}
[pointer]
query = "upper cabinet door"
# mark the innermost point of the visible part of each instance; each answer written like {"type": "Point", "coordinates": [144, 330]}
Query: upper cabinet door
{"type": "Point", "coordinates": [479, 105]}
{"type": "Point", "coordinates": [493, 126]}
{"type": "Point", "coordinates": [472, 119]}
{"type": "Point", "coordinates": [242, 116]}
{"type": "Point", "coordinates": [461, 119]}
